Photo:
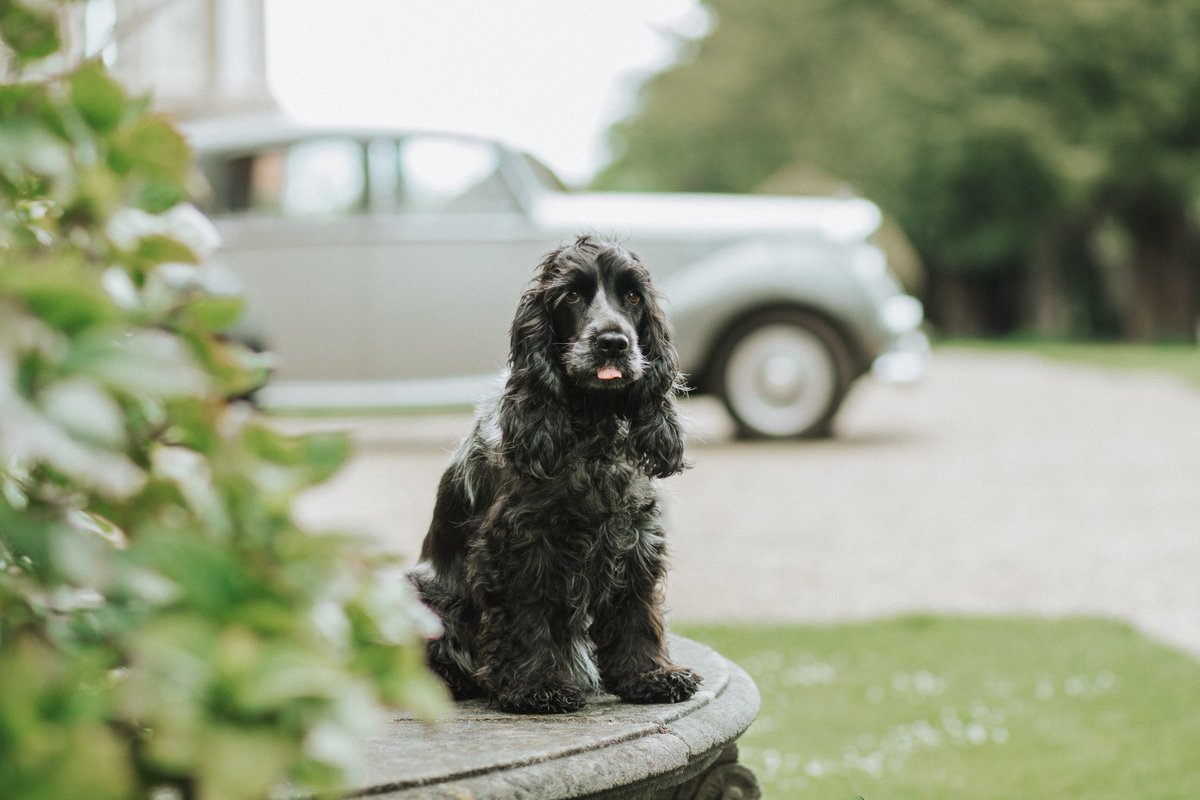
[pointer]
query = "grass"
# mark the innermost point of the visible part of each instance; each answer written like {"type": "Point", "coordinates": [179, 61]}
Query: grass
{"type": "Point", "coordinates": [1181, 360]}
{"type": "Point", "coordinates": [922, 708]}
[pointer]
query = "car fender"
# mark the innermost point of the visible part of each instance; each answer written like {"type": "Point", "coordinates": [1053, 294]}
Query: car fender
{"type": "Point", "coordinates": [705, 299]}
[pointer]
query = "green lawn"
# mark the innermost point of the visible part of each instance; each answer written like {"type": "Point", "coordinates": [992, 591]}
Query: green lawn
{"type": "Point", "coordinates": [1181, 360]}
{"type": "Point", "coordinates": [922, 708]}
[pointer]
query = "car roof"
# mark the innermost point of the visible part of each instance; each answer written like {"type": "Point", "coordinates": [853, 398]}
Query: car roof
{"type": "Point", "coordinates": [248, 132]}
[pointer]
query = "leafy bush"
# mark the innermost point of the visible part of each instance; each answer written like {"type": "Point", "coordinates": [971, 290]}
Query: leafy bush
{"type": "Point", "coordinates": [166, 627]}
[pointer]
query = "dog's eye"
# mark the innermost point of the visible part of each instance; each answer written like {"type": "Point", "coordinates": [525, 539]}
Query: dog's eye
{"type": "Point", "coordinates": [633, 298]}
{"type": "Point", "coordinates": [572, 297]}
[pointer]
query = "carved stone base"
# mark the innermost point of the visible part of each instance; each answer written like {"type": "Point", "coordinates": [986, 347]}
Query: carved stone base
{"type": "Point", "coordinates": [725, 779]}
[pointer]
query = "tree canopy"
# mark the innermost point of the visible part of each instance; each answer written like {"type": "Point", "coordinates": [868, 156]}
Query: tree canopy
{"type": "Point", "coordinates": [1050, 146]}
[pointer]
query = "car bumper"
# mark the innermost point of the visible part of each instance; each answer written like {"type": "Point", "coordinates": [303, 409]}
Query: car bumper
{"type": "Point", "coordinates": [906, 361]}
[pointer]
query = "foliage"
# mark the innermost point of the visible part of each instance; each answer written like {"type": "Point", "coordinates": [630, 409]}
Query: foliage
{"type": "Point", "coordinates": [167, 628]}
{"type": "Point", "coordinates": [1003, 136]}
{"type": "Point", "coordinates": [922, 708]}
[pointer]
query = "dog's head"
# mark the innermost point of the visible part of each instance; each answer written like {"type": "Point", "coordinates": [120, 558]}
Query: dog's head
{"type": "Point", "coordinates": [598, 300]}
{"type": "Point", "coordinates": [590, 323]}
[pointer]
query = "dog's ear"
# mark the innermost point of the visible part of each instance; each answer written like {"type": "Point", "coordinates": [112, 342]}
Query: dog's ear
{"type": "Point", "coordinates": [534, 425]}
{"type": "Point", "coordinates": [656, 434]}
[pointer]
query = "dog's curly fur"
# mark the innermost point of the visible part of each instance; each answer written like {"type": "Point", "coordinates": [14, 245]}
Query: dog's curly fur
{"type": "Point", "coordinates": [545, 555]}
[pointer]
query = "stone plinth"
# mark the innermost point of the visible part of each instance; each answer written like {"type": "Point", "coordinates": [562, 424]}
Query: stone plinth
{"type": "Point", "coordinates": [610, 749]}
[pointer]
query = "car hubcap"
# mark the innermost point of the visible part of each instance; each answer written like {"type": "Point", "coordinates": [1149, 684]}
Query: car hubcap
{"type": "Point", "coordinates": [780, 380]}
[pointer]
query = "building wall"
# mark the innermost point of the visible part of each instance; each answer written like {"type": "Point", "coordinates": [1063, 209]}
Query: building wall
{"type": "Point", "coordinates": [198, 58]}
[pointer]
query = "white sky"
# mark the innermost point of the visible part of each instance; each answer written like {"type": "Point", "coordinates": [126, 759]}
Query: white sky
{"type": "Point", "coordinates": [547, 75]}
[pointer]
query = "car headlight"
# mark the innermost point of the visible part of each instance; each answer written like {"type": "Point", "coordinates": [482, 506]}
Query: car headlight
{"type": "Point", "coordinates": [902, 313]}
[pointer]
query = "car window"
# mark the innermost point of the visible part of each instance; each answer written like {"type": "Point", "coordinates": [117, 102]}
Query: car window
{"type": "Point", "coordinates": [312, 178]}
{"type": "Point", "coordinates": [323, 177]}
{"type": "Point", "coordinates": [448, 175]}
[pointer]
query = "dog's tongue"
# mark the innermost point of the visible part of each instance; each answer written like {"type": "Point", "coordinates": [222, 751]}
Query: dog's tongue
{"type": "Point", "coordinates": [608, 373]}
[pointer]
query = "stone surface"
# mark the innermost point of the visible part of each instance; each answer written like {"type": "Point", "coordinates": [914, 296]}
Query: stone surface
{"type": "Point", "coordinates": [609, 749]}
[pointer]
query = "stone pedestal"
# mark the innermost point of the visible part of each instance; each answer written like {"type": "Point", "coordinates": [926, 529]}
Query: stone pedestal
{"type": "Point", "coordinates": [610, 749]}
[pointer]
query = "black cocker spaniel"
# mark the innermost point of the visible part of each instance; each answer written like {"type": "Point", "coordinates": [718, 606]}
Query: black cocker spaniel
{"type": "Point", "coordinates": [545, 555]}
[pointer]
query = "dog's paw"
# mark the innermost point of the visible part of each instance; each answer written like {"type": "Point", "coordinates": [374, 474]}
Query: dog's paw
{"type": "Point", "coordinates": [664, 685]}
{"type": "Point", "coordinates": [542, 699]}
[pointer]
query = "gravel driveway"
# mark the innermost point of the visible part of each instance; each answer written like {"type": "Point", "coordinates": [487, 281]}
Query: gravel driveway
{"type": "Point", "coordinates": [1002, 484]}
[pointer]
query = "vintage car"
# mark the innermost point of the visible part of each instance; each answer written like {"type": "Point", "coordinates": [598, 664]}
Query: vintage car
{"type": "Point", "coordinates": [383, 268]}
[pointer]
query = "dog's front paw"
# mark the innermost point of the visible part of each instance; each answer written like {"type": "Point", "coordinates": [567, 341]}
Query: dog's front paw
{"type": "Point", "coordinates": [548, 698]}
{"type": "Point", "coordinates": [664, 685]}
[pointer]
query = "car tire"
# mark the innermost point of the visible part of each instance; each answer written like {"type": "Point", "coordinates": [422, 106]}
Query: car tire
{"type": "Point", "coordinates": [782, 374]}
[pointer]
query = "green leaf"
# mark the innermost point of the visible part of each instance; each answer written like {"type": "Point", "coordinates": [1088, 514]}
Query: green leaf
{"type": "Point", "coordinates": [287, 465]}
{"type": "Point", "coordinates": [29, 150]}
{"type": "Point", "coordinates": [191, 425]}
{"type": "Point", "coordinates": [32, 438]}
{"type": "Point", "coordinates": [157, 156]}
{"type": "Point", "coordinates": [30, 34]}
{"type": "Point", "coordinates": [85, 411]}
{"type": "Point", "coordinates": [150, 145]}
{"type": "Point", "coordinates": [29, 537]}
{"type": "Point", "coordinates": [210, 575]}
{"type": "Point", "coordinates": [217, 313]}
{"type": "Point", "coordinates": [142, 363]}
{"type": "Point", "coordinates": [160, 248]}
{"type": "Point", "coordinates": [416, 689]}
{"type": "Point", "coordinates": [319, 453]}
{"type": "Point", "coordinates": [64, 292]}
{"type": "Point", "coordinates": [100, 99]}
{"type": "Point", "coordinates": [192, 474]}
{"type": "Point", "coordinates": [94, 762]}
{"type": "Point", "coordinates": [243, 763]}
{"type": "Point", "coordinates": [16, 99]}
{"type": "Point", "coordinates": [281, 675]}
{"type": "Point", "coordinates": [158, 195]}
{"type": "Point", "coordinates": [235, 369]}
{"type": "Point", "coordinates": [271, 616]}
{"type": "Point", "coordinates": [63, 748]}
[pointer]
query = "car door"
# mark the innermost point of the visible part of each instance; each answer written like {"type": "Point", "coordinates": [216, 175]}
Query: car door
{"type": "Point", "coordinates": [454, 249]}
{"type": "Point", "coordinates": [294, 232]}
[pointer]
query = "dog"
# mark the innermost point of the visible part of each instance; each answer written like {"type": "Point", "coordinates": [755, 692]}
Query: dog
{"type": "Point", "coordinates": [545, 555]}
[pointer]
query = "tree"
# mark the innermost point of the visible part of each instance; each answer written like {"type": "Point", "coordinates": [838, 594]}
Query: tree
{"type": "Point", "coordinates": [1003, 136]}
{"type": "Point", "coordinates": [167, 628]}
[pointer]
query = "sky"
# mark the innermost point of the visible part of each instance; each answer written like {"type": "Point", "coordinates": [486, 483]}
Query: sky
{"type": "Point", "coordinates": [547, 75]}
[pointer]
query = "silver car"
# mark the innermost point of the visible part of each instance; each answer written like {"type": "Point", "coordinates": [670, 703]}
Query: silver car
{"type": "Point", "coordinates": [383, 268]}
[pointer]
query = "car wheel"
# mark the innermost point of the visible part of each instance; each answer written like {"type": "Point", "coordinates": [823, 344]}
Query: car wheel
{"type": "Point", "coordinates": [782, 374]}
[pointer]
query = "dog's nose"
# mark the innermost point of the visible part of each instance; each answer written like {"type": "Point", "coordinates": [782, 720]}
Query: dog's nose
{"type": "Point", "coordinates": [612, 344]}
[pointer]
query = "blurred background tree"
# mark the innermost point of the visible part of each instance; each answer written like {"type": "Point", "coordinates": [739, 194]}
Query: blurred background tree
{"type": "Point", "coordinates": [167, 629]}
{"type": "Point", "coordinates": [1043, 157]}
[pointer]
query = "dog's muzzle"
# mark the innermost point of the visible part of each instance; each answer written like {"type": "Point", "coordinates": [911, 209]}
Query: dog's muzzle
{"type": "Point", "coordinates": [607, 357]}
